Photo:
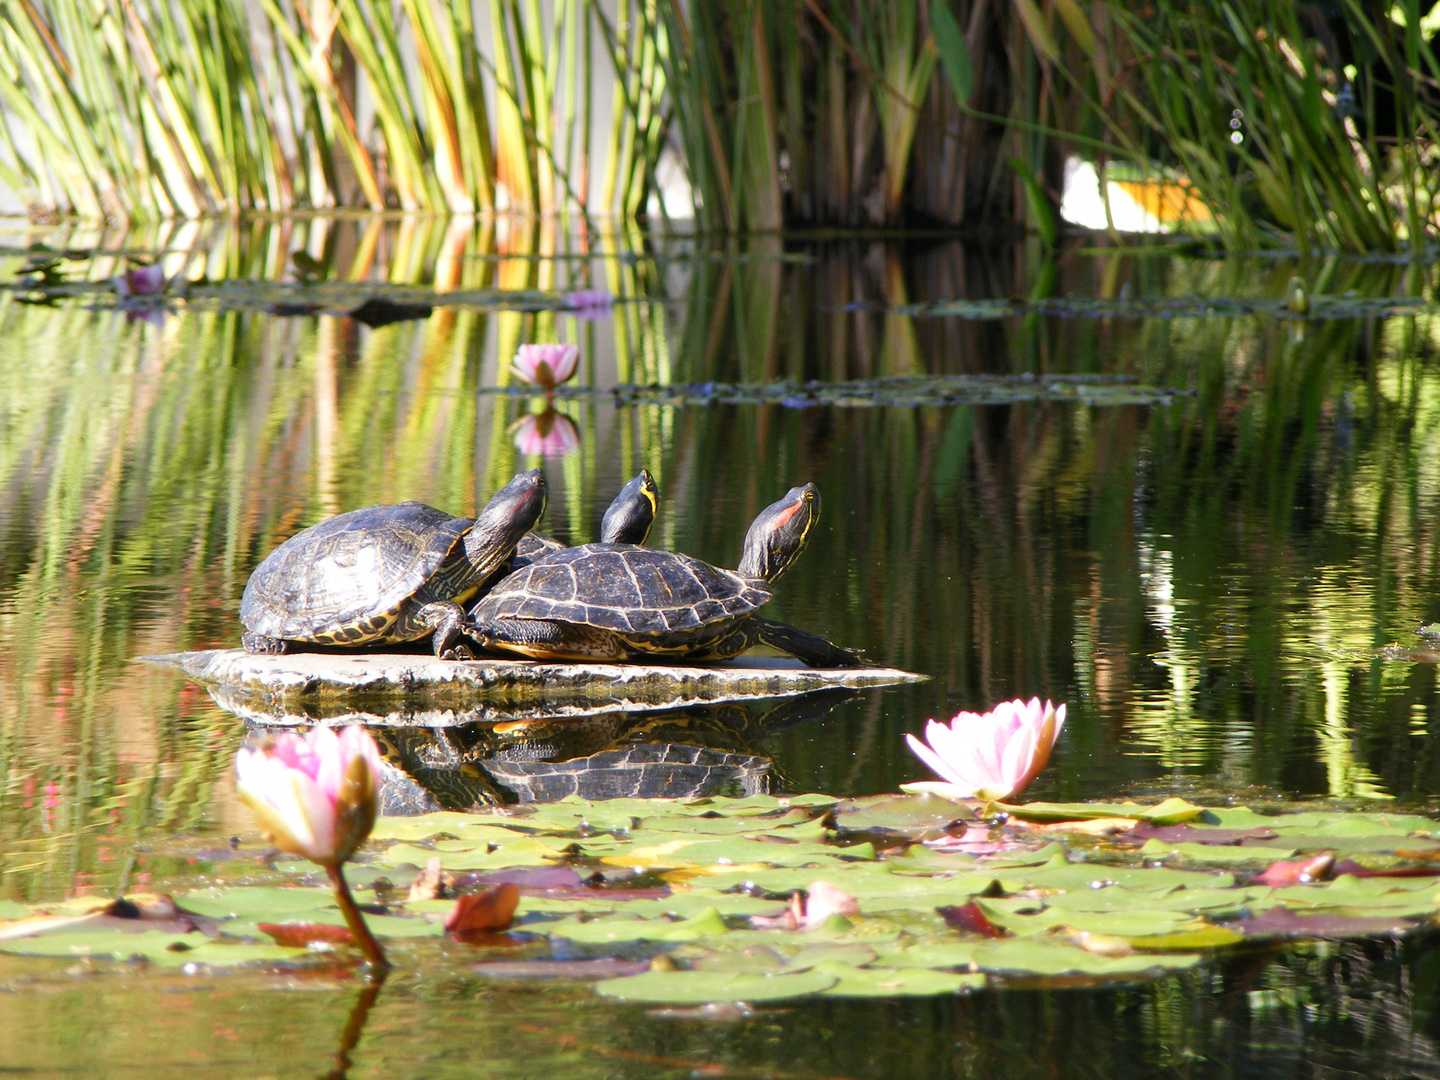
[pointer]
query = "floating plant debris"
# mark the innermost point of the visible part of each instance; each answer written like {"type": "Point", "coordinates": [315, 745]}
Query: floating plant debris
{"type": "Point", "coordinates": [683, 901]}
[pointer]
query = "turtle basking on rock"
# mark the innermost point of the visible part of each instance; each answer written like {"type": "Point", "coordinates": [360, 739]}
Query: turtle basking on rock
{"type": "Point", "coordinates": [624, 602]}
{"type": "Point", "coordinates": [385, 574]}
{"type": "Point", "coordinates": [627, 520]}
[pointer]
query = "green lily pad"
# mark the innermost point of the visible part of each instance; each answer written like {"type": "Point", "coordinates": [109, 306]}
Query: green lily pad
{"type": "Point", "coordinates": [707, 923]}
{"type": "Point", "coordinates": [1028, 956]}
{"type": "Point", "coordinates": [929, 955]}
{"type": "Point", "coordinates": [1220, 855]}
{"type": "Point", "coordinates": [256, 903]}
{"type": "Point", "coordinates": [1202, 937]}
{"type": "Point", "coordinates": [1169, 812]}
{"type": "Point", "coordinates": [698, 987]}
{"type": "Point", "coordinates": [9, 909]}
{"type": "Point", "coordinates": [905, 813]}
{"type": "Point", "coordinates": [854, 954]}
{"type": "Point", "coordinates": [168, 950]}
{"type": "Point", "coordinates": [896, 982]}
{"type": "Point", "coordinates": [461, 855]}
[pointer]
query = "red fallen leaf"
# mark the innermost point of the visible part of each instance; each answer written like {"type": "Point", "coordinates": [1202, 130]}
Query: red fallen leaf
{"type": "Point", "coordinates": [969, 917]}
{"type": "Point", "coordinates": [1318, 868]}
{"type": "Point", "coordinates": [483, 912]}
{"type": "Point", "coordinates": [300, 935]}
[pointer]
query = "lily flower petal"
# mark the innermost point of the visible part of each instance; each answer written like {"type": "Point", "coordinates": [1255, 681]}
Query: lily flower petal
{"type": "Point", "coordinates": [993, 755]}
{"type": "Point", "coordinates": [315, 796]}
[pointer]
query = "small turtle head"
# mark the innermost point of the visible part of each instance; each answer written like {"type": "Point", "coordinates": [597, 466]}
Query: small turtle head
{"type": "Point", "coordinates": [508, 516]}
{"type": "Point", "coordinates": [779, 533]}
{"type": "Point", "coordinates": [630, 515]}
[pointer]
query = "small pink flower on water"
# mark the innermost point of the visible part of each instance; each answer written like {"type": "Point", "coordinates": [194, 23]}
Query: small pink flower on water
{"type": "Point", "coordinates": [991, 755]}
{"type": "Point", "coordinates": [547, 434]}
{"type": "Point", "coordinates": [819, 905]}
{"type": "Point", "coordinates": [589, 303]}
{"type": "Point", "coordinates": [545, 366]}
{"type": "Point", "coordinates": [140, 281]}
{"type": "Point", "coordinates": [315, 796]}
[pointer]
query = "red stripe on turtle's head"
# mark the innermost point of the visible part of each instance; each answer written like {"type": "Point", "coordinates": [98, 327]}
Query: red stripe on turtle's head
{"type": "Point", "coordinates": [779, 533]}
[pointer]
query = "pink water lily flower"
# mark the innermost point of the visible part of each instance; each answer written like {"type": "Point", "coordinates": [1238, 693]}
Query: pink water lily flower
{"type": "Point", "coordinates": [315, 796]}
{"type": "Point", "coordinates": [140, 281]}
{"type": "Point", "coordinates": [991, 755]}
{"type": "Point", "coordinates": [545, 366]}
{"type": "Point", "coordinates": [588, 303]}
{"type": "Point", "coordinates": [547, 434]}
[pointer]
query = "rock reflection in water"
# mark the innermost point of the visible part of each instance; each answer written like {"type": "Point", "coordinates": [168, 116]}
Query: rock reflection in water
{"type": "Point", "coordinates": [662, 753]}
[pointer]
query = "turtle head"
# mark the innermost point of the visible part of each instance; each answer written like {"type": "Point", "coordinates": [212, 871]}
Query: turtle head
{"type": "Point", "coordinates": [508, 516]}
{"type": "Point", "coordinates": [631, 514]}
{"type": "Point", "coordinates": [780, 532]}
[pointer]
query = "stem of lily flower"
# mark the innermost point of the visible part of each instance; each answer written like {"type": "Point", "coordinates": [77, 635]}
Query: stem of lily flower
{"type": "Point", "coordinates": [374, 954]}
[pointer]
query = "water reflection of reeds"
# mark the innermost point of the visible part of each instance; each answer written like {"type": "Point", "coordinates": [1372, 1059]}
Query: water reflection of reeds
{"type": "Point", "coordinates": [1204, 581]}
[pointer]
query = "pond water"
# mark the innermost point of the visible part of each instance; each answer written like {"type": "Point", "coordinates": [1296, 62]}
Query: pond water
{"type": "Point", "coordinates": [1224, 586]}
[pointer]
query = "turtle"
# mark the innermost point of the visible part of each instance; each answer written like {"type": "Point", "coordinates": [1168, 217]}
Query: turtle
{"type": "Point", "coordinates": [627, 520]}
{"type": "Point", "coordinates": [623, 602]}
{"type": "Point", "coordinates": [384, 574]}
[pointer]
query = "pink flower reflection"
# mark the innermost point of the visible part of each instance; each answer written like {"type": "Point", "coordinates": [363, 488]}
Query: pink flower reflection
{"type": "Point", "coordinates": [589, 303]}
{"type": "Point", "coordinates": [547, 434]}
{"type": "Point", "coordinates": [140, 281]}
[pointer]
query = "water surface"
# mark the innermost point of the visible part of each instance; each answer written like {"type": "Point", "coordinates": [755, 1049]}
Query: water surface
{"type": "Point", "coordinates": [1211, 584]}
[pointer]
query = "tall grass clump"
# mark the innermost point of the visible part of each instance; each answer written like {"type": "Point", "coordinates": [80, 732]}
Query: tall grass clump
{"type": "Point", "coordinates": [154, 108]}
{"type": "Point", "coordinates": [1302, 125]}
{"type": "Point", "coordinates": [1290, 124]}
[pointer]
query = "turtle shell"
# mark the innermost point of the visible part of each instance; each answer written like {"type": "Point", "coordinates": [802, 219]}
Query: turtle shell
{"type": "Point", "coordinates": [346, 579]}
{"type": "Point", "coordinates": [626, 589]}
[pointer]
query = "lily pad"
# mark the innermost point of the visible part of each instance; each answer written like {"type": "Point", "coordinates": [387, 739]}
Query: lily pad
{"type": "Point", "coordinates": [1169, 812]}
{"type": "Point", "coordinates": [707, 923]}
{"type": "Point", "coordinates": [1028, 956]}
{"type": "Point", "coordinates": [896, 982]}
{"type": "Point", "coordinates": [1217, 855]}
{"type": "Point", "coordinates": [255, 903]}
{"type": "Point", "coordinates": [695, 987]}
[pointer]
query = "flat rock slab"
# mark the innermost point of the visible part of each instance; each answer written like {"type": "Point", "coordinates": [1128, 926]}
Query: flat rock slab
{"type": "Point", "coordinates": [435, 692]}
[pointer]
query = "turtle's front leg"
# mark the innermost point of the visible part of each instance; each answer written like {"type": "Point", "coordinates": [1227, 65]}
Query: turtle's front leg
{"type": "Point", "coordinates": [546, 640]}
{"type": "Point", "coordinates": [445, 618]}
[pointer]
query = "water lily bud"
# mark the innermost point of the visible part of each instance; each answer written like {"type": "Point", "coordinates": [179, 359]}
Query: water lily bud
{"type": "Point", "coordinates": [1296, 298]}
{"type": "Point", "coordinates": [545, 366]}
{"type": "Point", "coordinates": [315, 796]}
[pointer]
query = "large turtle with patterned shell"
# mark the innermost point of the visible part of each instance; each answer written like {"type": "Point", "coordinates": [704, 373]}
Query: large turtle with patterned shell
{"type": "Point", "coordinates": [624, 602]}
{"type": "Point", "coordinates": [385, 574]}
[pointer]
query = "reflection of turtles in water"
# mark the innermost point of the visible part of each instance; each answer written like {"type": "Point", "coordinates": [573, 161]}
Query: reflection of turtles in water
{"type": "Point", "coordinates": [702, 750]}
{"type": "Point", "coordinates": [384, 574]}
{"type": "Point", "coordinates": [621, 602]}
